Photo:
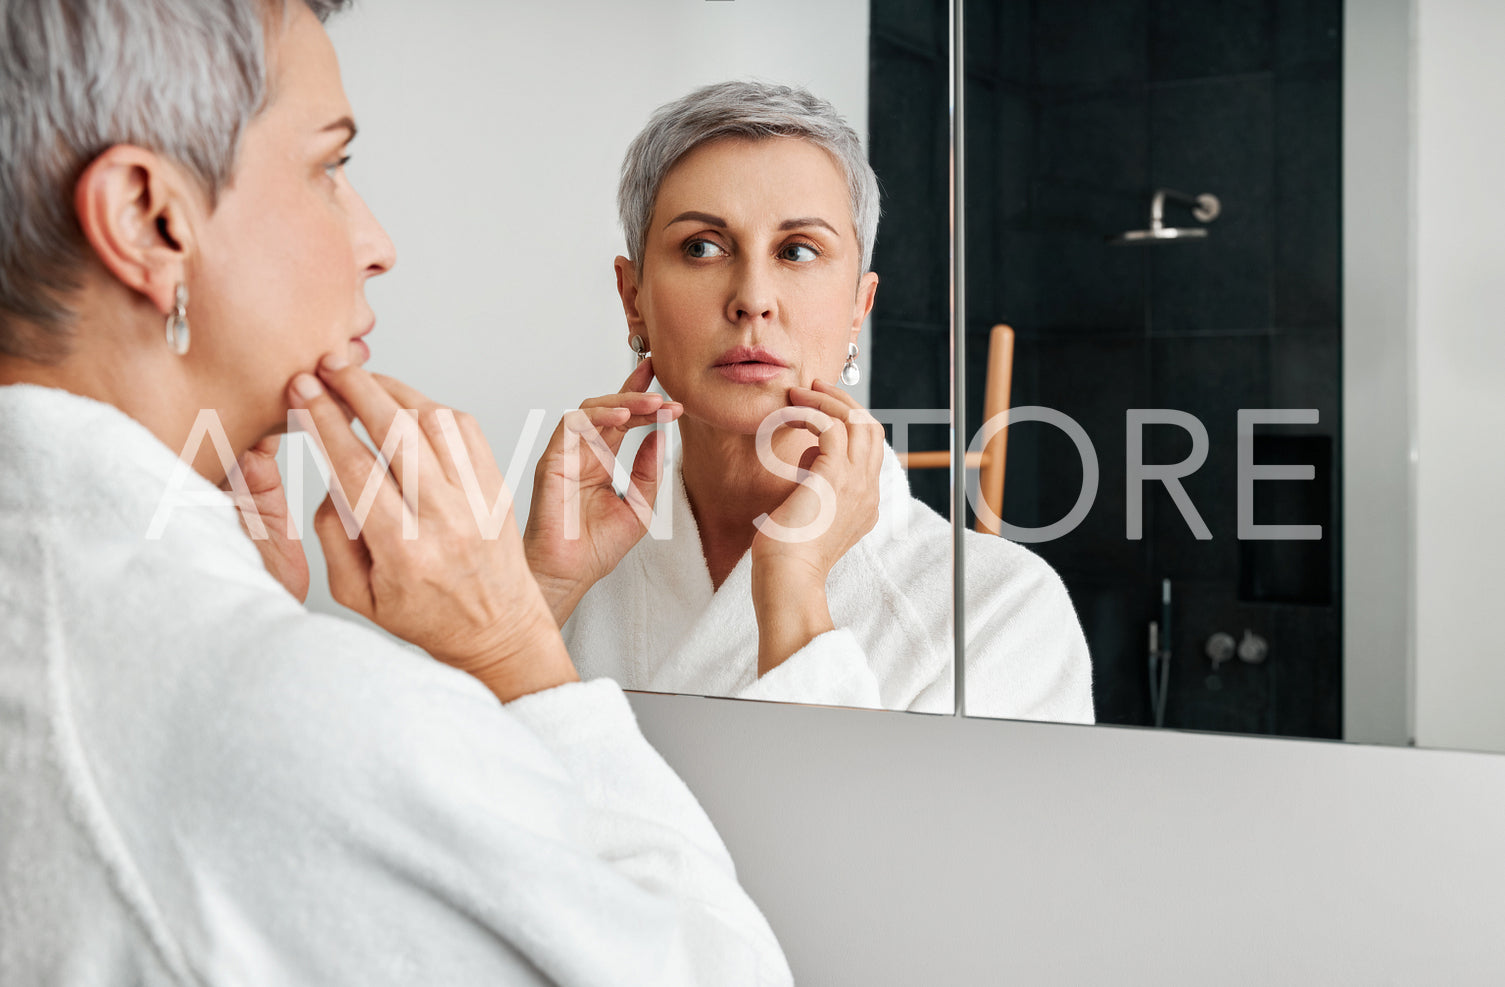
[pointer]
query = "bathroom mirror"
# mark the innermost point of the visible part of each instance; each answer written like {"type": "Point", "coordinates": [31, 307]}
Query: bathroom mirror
{"type": "Point", "coordinates": [491, 141]}
{"type": "Point", "coordinates": [1155, 205]}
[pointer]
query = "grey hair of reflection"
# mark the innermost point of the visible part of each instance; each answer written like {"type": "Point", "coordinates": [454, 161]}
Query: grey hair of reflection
{"type": "Point", "coordinates": [179, 77]}
{"type": "Point", "coordinates": [741, 109]}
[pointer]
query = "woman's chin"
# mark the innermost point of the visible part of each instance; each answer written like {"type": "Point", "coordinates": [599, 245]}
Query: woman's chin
{"type": "Point", "coordinates": [742, 416]}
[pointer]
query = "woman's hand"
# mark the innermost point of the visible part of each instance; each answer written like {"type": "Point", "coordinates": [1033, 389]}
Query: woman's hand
{"type": "Point", "coordinates": [283, 556]}
{"type": "Point", "coordinates": [793, 555]}
{"type": "Point", "coordinates": [578, 528]}
{"type": "Point", "coordinates": [433, 561]}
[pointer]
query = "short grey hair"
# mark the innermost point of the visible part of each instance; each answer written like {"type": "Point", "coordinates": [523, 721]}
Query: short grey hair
{"type": "Point", "coordinates": [746, 109]}
{"type": "Point", "coordinates": [179, 77]}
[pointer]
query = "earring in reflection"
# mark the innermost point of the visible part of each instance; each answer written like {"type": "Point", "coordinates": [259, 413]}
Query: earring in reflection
{"type": "Point", "coordinates": [639, 347]}
{"type": "Point", "coordinates": [177, 322]}
{"type": "Point", "coordinates": [850, 374]}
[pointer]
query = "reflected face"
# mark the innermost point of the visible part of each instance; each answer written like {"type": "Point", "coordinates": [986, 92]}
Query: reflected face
{"type": "Point", "coordinates": [749, 279]}
{"type": "Point", "coordinates": [279, 277]}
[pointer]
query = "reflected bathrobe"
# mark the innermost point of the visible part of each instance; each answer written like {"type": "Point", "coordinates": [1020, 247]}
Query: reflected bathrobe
{"type": "Point", "coordinates": [654, 623]}
{"type": "Point", "coordinates": [203, 783]}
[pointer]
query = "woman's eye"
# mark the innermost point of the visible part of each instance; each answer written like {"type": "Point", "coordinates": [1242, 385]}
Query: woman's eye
{"type": "Point", "coordinates": [801, 252]}
{"type": "Point", "coordinates": [703, 248]}
{"type": "Point", "coordinates": [334, 166]}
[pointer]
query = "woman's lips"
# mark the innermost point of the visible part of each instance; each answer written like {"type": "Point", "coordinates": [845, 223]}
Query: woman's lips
{"type": "Point", "coordinates": [749, 373]}
{"type": "Point", "coordinates": [360, 351]}
{"type": "Point", "coordinates": [749, 365]}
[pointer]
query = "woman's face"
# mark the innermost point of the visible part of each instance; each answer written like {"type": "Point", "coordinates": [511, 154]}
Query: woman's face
{"type": "Point", "coordinates": [279, 275]}
{"type": "Point", "coordinates": [749, 279]}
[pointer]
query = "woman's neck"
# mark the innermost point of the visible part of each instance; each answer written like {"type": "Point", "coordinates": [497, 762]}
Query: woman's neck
{"type": "Point", "coordinates": [728, 486]}
{"type": "Point", "coordinates": [142, 382]}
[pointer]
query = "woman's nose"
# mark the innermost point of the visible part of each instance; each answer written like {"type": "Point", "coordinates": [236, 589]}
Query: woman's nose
{"type": "Point", "coordinates": [752, 294]}
{"type": "Point", "coordinates": [374, 250]}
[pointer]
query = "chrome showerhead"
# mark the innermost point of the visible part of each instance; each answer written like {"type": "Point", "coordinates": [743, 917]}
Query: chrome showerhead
{"type": "Point", "coordinates": [1165, 233]}
{"type": "Point", "coordinates": [1205, 208]}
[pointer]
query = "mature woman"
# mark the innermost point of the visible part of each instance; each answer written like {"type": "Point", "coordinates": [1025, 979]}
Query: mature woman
{"type": "Point", "coordinates": [750, 213]}
{"type": "Point", "coordinates": [203, 782]}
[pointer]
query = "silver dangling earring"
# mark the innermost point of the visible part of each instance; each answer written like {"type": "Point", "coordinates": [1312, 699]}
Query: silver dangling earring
{"type": "Point", "coordinates": [850, 374]}
{"type": "Point", "coordinates": [177, 323]}
{"type": "Point", "coordinates": [639, 347]}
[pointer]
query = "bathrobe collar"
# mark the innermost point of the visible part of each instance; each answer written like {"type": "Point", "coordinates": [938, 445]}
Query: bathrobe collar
{"type": "Point", "coordinates": [87, 465]}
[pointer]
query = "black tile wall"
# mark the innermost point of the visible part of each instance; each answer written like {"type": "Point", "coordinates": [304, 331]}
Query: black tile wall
{"type": "Point", "coordinates": [1088, 42]}
{"type": "Point", "coordinates": [1091, 379]}
{"type": "Point", "coordinates": [919, 24]}
{"type": "Point", "coordinates": [909, 136]}
{"type": "Point", "coordinates": [998, 41]}
{"type": "Point", "coordinates": [1308, 32]}
{"type": "Point", "coordinates": [1012, 164]}
{"type": "Point", "coordinates": [1295, 692]}
{"type": "Point", "coordinates": [1304, 373]}
{"type": "Point", "coordinates": [1190, 39]}
{"type": "Point", "coordinates": [1307, 211]}
{"type": "Point", "coordinates": [1289, 570]}
{"type": "Point", "coordinates": [911, 368]}
{"type": "Point", "coordinates": [1084, 284]}
{"type": "Point", "coordinates": [1210, 378]}
{"type": "Point", "coordinates": [987, 159]}
{"type": "Point", "coordinates": [1095, 140]}
{"type": "Point", "coordinates": [1214, 136]}
{"type": "Point", "coordinates": [1077, 112]}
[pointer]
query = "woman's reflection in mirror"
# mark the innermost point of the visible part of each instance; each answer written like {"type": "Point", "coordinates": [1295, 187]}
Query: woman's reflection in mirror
{"type": "Point", "coordinates": [750, 214]}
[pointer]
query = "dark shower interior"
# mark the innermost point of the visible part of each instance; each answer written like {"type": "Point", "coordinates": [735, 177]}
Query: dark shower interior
{"type": "Point", "coordinates": [1077, 110]}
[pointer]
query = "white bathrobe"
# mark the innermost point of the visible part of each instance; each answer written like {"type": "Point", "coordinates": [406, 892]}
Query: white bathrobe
{"type": "Point", "coordinates": [203, 783]}
{"type": "Point", "coordinates": [654, 623]}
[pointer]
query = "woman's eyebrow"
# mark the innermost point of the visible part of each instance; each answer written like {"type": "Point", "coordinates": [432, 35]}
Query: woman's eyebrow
{"type": "Point", "coordinates": [698, 217]}
{"type": "Point", "coordinates": [788, 224]}
{"type": "Point", "coordinates": [797, 224]}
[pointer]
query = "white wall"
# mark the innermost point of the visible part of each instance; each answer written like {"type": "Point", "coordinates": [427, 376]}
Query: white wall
{"type": "Point", "coordinates": [1423, 363]}
{"type": "Point", "coordinates": [1460, 373]}
{"type": "Point", "coordinates": [1378, 362]}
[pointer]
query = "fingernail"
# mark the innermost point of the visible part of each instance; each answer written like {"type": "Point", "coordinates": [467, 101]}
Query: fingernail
{"type": "Point", "coordinates": [307, 387]}
{"type": "Point", "coordinates": [333, 362]}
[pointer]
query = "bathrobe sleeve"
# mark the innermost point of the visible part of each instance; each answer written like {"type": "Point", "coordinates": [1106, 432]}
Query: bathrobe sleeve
{"type": "Point", "coordinates": [390, 822]}
{"type": "Point", "coordinates": [832, 670]}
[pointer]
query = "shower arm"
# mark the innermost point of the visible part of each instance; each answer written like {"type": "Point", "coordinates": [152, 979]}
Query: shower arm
{"type": "Point", "coordinates": [1204, 207]}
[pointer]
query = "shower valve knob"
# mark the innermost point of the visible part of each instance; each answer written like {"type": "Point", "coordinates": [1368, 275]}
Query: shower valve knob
{"type": "Point", "coordinates": [1220, 648]}
{"type": "Point", "coordinates": [1253, 649]}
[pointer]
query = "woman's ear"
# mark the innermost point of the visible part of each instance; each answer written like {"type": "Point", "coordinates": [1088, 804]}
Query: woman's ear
{"type": "Point", "coordinates": [627, 288]}
{"type": "Point", "coordinates": [862, 307]}
{"type": "Point", "coordinates": [133, 208]}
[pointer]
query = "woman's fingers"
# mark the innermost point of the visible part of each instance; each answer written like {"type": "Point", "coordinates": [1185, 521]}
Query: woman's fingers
{"type": "Point", "coordinates": [258, 467]}
{"type": "Point", "coordinates": [863, 432]}
{"type": "Point", "coordinates": [348, 561]}
{"type": "Point", "coordinates": [404, 394]}
{"type": "Point", "coordinates": [644, 406]}
{"type": "Point", "coordinates": [648, 469]}
{"type": "Point", "coordinates": [641, 409]}
{"type": "Point", "coordinates": [393, 428]}
{"type": "Point", "coordinates": [831, 390]}
{"type": "Point", "coordinates": [641, 376]}
{"type": "Point", "coordinates": [833, 401]}
{"type": "Point", "coordinates": [353, 466]}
